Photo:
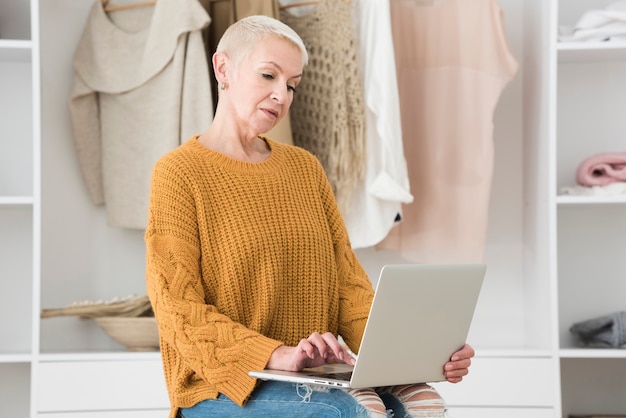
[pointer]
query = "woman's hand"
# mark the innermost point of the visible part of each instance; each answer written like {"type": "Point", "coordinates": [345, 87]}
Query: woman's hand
{"type": "Point", "coordinates": [316, 350]}
{"type": "Point", "coordinates": [459, 363]}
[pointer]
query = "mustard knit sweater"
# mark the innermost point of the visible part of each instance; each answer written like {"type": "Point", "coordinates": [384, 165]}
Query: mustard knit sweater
{"type": "Point", "coordinates": [242, 258]}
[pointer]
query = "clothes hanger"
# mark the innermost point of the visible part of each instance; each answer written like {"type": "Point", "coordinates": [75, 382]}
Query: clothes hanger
{"type": "Point", "coordinates": [127, 6]}
{"type": "Point", "coordinates": [298, 3]}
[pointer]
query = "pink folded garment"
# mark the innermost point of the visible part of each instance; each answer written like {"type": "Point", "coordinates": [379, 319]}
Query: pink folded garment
{"type": "Point", "coordinates": [602, 169]}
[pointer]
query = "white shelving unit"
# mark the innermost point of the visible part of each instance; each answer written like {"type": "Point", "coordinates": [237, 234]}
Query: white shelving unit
{"type": "Point", "coordinates": [552, 259]}
{"type": "Point", "coordinates": [19, 204]}
{"type": "Point", "coordinates": [589, 94]}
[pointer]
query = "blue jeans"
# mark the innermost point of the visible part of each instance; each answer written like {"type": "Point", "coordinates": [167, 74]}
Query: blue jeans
{"type": "Point", "coordinates": [281, 399]}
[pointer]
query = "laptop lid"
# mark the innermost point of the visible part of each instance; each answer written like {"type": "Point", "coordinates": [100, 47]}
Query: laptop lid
{"type": "Point", "coordinates": [420, 315]}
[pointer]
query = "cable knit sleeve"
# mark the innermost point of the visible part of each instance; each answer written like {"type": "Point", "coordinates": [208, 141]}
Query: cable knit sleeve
{"type": "Point", "coordinates": [216, 352]}
{"type": "Point", "coordinates": [355, 288]}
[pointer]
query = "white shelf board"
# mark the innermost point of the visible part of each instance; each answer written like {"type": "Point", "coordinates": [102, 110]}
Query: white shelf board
{"type": "Point", "coordinates": [563, 200]}
{"type": "Point", "coordinates": [512, 353]}
{"type": "Point", "coordinates": [593, 353]}
{"type": "Point", "coordinates": [15, 358]}
{"type": "Point", "coordinates": [15, 50]}
{"type": "Point", "coordinates": [100, 356]}
{"type": "Point", "coordinates": [591, 51]}
{"type": "Point", "coordinates": [16, 200]}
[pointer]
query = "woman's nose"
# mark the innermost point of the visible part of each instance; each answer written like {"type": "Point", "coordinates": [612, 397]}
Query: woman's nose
{"type": "Point", "coordinates": [280, 94]}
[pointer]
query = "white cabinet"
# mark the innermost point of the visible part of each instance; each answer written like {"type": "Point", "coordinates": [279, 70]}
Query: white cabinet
{"type": "Point", "coordinates": [153, 413]}
{"type": "Point", "coordinates": [590, 95]}
{"type": "Point", "coordinates": [19, 203]}
{"type": "Point", "coordinates": [574, 110]}
{"type": "Point", "coordinates": [110, 389]}
{"type": "Point", "coordinates": [483, 387]}
{"type": "Point", "coordinates": [455, 412]}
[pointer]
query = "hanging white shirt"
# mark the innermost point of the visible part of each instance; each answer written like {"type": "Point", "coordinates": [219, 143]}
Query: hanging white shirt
{"type": "Point", "coordinates": [378, 198]}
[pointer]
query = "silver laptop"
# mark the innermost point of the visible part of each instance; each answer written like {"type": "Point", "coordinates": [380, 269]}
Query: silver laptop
{"type": "Point", "coordinates": [420, 316]}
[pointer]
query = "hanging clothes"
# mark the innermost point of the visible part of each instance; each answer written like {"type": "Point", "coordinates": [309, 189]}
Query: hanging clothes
{"type": "Point", "coordinates": [327, 114]}
{"type": "Point", "coordinates": [378, 197]}
{"type": "Point", "coordinates": [140, 88]}
{"type": "Point", "coordinates": [453, 63]}
{"type": "Point", "coordinates": [224, 13]}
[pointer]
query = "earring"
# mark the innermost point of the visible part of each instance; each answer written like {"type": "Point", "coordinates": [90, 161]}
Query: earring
{"type": "Point", "coordinates": [223, 85]}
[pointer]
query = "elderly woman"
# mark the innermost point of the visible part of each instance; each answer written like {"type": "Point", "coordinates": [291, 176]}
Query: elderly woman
{"type": "Point", "coordinates": [248, 261]}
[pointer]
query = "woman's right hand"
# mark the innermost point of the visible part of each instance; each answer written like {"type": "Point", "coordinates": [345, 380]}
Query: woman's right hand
{"type": "Point", "coordinates": [316, 350]}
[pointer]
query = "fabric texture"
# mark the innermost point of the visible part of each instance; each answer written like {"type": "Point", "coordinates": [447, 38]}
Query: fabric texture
{"type": "Point", "coordinates": [282, 399]}
{"type": "Point", "coordinates": [598, 25]}
{"type": "Point", "coordinates": [378, 197]}
{"type": "Point", "coordinates": [611, 189]}
{"type": "Point", "coordinates": [327, 114]}
{"type": "Point", "coordinates": [241, 258]}
{"type": "Point", "coordinates": [605, 331]}
{"type": "Point", "coordinates": [453, 63]}
{"type": "Point", "coordinates": [602, 169]}
{"type": "Point", "coordinates": [140, 87]}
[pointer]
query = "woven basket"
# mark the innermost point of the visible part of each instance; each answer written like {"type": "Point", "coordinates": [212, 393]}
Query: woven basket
{"type": "Point", "coordinates": [129, 307]}
{"type": "Point", "coordinates": [137, 334]}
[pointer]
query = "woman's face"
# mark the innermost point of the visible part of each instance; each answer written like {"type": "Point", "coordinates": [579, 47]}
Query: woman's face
{"type": "Point", "coordinates": [265, 83]}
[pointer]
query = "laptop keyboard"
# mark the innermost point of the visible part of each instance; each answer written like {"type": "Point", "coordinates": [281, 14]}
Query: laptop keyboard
{"type": "Point", "coordinates": [337, 375]}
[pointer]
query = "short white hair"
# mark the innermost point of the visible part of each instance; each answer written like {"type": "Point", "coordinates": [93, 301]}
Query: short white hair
{"type": "Point", "coordinates": [241, 37]}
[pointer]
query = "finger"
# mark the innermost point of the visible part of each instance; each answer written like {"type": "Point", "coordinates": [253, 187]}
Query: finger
{"type": "Point", "coordinates": [317, 341]}
{"type": "Point", "coordinates": [457, 372]}
{"type": "Point", "coordinates": [457, 365]}
{"type": "Point", "coordinates": [342, 356]}
{"type": "Point", "coordinates": [454, 379]}
{"type": "Point", "coordinates": [464, 353]}
{"type": "Point", "coordinates": [334, 347]}
{"type": "Point", "coordinates": [455, 375]}
{"type": "Point", "coordinates": [307, 348]}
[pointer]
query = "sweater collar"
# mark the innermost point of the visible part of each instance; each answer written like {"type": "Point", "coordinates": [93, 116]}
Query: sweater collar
{"type": "Point", "coordinates": [271, 164]}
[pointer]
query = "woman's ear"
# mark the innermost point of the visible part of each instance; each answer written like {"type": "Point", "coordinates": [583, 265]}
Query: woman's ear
{"type": "Point", "coordinates": [220, 66]}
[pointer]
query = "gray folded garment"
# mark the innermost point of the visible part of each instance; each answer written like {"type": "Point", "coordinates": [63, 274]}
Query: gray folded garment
{"type": "Point", "coordinates": [605, 331]}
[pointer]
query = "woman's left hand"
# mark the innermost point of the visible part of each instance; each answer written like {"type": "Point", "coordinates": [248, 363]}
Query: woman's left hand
{"type": "Point", "coordinates": [459, 363]}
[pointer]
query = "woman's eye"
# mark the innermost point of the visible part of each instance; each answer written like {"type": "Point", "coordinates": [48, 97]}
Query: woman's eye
{"type": "Point", "coordinates": [268, 76]}
{"type": "Point", "coordinates": [291, 89]}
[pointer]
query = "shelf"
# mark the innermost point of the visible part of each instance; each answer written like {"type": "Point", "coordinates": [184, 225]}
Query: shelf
{"type": "Point", "coordinates": [15, 50]}
{"type": "Point", "coordinates": [15, 358]}
{"type": "Point", "coordinates": [565, 200]}
{"type": "Point", "coordinates": [591, 51]}
{"type": "Point", "coordinates": [593, 353]}
{"type": "Point", "coordinates": [512, 353]}
{"type": "Point", "coordinates": [16, 200]}
{"type": "Point", "coordinates": [100, 356]}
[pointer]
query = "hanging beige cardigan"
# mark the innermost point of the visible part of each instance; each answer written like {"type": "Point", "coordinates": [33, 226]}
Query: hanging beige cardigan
{"type": "Point", "coordinates": [137, 93]}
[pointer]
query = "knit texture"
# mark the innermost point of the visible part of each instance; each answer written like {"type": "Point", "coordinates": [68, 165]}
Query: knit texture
{"type": "Point", "coordinates": [328, 113]}
{"type": "Point", "coordinates": [241, 258]}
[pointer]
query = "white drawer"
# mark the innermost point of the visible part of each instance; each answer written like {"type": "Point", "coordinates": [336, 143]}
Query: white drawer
{"type": "Point", "coordinates": [503, 382]}
{"type": "Point", "coordinates": [500, 413]}
{"type": "Point", "coordinates": [160, 413]}
{"type": "Point", "coordinates": [121, 385]}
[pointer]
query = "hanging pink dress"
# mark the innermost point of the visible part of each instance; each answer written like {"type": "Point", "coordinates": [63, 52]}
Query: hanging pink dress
{"type": "Point", "coordinates": [453, 63]}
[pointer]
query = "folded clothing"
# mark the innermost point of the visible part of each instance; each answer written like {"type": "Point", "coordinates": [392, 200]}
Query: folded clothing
{"type": "Point", "coordinates": [598, 25]}
{"type": "Point", "coordinates": [606, 331]}
{"type": "Point", "coordinates": [614, 189]}
{"type": "Point", "coordinates": [602, 169]}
